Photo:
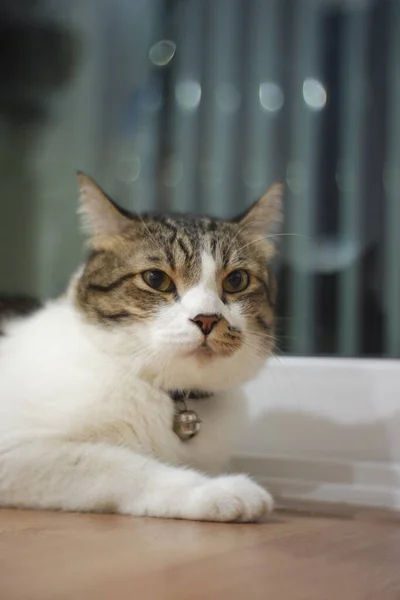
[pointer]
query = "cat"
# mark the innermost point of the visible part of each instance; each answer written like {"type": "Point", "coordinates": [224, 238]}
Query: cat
{"type": "Point", "coordinates": [90, 384]}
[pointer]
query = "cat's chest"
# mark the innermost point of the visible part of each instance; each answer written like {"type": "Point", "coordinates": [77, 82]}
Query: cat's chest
{"type": "Point", "coordinates": [144, 420]}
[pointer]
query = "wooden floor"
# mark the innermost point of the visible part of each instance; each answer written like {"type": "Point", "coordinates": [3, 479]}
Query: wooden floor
{"type": "Point", "coordinates": [50, 556]}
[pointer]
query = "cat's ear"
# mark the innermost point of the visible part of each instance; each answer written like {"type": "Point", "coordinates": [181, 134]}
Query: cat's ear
{"type": "Point", "coordinates": [100, 216]}
{"type": "Point", "coordinates": [264, 217]}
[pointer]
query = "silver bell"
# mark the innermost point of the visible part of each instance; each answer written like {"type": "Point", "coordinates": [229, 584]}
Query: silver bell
{"type": "Point", "coordinates": [186, 424]}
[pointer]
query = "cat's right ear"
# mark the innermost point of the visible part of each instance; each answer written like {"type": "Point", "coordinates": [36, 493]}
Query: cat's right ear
{"type": "Point", "coordinates": [100, 216]}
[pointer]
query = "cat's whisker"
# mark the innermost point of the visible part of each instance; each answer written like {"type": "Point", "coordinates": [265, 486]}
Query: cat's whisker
{"type": "Point", "coordinates": [274, 343]}
{"type": "Point", "coordinates": [272, 236]}
{"type": "Point", "coordinates": [241, 229]}
{"type": "Point", "coordinates": [255, 351]}
{"type": "Point", "coordinates": [273, 339]}
{"type": "Point", "coordinates": [289, 234]}
{"type": "Point", "coordinates": [255, 241]}
{"type": "Point", "coordinates": [263, 334]}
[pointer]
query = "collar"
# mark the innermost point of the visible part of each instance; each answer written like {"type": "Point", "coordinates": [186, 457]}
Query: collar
{"type": "Point", "coordinates": [182, 395]}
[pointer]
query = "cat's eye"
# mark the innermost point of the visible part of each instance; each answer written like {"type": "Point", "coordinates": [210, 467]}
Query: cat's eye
{"type": "Point", "coordinates": [158, 280]}
{"type": "Point", "coordinates": [235, 282]}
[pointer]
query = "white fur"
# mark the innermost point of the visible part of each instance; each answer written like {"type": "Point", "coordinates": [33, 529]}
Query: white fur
{"type": "Point", "coordinates": [85, 423]}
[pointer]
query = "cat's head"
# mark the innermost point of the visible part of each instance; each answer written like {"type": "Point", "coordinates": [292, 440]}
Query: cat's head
{"type": "Point", "coordinates": [188, 300]}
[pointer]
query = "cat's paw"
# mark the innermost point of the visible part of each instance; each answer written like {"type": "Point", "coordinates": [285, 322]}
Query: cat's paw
{"type": "Point", "coordinates": [229, 498]}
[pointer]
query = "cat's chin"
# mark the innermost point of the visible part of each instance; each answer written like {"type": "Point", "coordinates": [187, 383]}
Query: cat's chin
{"type": "Point", "coordinates": [202, 352]}
{"type": "Point", "coordinates": [207, 352]}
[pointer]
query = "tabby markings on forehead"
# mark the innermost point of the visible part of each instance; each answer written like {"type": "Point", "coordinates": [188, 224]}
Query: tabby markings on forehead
{"type": "Point", "coordinates": [185, 250]}
{"type": "Point", "coordinates": [156, 260]}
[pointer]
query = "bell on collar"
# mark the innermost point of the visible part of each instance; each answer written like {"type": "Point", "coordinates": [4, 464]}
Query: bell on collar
{"type": "Point", "coordinates": [186, 424]}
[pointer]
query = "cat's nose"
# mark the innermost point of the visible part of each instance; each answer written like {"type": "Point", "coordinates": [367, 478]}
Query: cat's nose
{"type": "Point", "coordinates": [206, 322]}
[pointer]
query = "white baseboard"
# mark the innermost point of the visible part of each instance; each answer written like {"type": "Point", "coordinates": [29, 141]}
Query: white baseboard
{"type": "Point", "coordinates": [356, 484]}
{"type": "Point", "coordinates": [326, 430]}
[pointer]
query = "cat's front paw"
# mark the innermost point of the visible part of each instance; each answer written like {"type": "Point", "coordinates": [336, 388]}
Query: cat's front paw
{"type": "Point", "coordinates": [230, 498]}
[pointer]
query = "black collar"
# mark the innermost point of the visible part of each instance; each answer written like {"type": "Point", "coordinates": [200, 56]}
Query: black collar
{"type": "Point", "coordinates": [179, 395]}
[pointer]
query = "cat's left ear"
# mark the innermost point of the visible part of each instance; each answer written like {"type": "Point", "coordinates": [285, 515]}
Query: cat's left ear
{"type": "Point", "coordinates": [264, 217]}
{"type": "Point", "coordinates": [100, 216]}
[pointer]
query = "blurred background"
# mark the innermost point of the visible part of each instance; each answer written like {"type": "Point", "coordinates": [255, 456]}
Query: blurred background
{"type": "Point", "coordinates": [199, 105]}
